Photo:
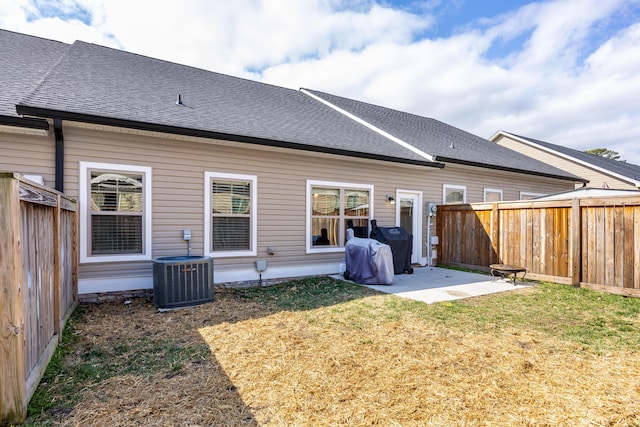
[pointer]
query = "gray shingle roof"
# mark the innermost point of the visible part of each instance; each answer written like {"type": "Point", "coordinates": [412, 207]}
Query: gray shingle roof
{"type": "Point", "coordinates": [628, 170]}
{"type": "Point", "coordinates": [24, 62]}
{"type": "Point", "coordinates": [96, 83]}
{"type": "Point", "coordinates": [442, 141]}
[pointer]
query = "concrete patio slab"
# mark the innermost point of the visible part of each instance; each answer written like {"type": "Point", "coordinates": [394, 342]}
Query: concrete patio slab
{"type": "Point", "coordinates": [434, 284]}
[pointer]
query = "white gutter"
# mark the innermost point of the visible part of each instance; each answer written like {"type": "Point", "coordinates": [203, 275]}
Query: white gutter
{"type": "Point", "coordinates": [370, 126]}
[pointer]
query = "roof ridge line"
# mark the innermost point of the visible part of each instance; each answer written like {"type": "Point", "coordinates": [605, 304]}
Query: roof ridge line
{"type": "Point", "coordinates": [366, 124]}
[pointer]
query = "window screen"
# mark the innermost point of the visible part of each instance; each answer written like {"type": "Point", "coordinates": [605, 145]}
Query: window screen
{"type": "Point", "coordinates": [231, 215]}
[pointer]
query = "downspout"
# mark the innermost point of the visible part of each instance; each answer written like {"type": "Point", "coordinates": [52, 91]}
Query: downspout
{"type": "Point", "coordinates": [57, 129]}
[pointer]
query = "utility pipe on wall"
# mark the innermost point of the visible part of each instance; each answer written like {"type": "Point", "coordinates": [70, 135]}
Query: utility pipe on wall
{"type": "Point", "coordinates": [57, 130]}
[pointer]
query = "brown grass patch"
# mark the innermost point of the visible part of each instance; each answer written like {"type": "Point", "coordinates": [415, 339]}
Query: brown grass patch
{"type": "Point", "coordinates": [348, 364]}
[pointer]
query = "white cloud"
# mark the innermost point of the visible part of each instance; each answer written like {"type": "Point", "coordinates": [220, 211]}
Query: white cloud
{"type": "Point", "coordinates": [547, 90]}
{"type": "Point", "coordinates": [532, 71]}
{"type": "Point", "coordinates": [233, 37]}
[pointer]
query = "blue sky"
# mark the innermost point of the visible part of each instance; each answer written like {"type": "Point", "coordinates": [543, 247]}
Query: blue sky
{"type": "Point", "coordinates": [562, 71]}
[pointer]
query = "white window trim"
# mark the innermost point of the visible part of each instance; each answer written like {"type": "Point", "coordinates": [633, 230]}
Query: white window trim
{"type": "Point", "coordinates": [446, 187]}
{"type": "Point", "coordinates": [492, 190]}
{"type": "Point", "coordinates": [84, 197]}
{"type": "Point", "coordinates": [313, 183]}
{"type": "Point", "coordinates": [253, 239]}
{"type": "Point", "coordinates": [531, 194]}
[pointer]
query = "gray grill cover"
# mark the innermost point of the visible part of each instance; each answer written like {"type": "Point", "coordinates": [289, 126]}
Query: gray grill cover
{"type": "Point", "coordinates": [368, 261]}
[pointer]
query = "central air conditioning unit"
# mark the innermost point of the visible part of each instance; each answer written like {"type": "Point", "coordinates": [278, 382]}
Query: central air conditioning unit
{"type": "Point", "coordinates": [180, 281]}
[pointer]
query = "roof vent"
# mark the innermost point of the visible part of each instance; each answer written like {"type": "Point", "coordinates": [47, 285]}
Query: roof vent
{"type": "Point", "coordinates": [452, 146]}
{"type": "Point", "coordinates": [179, 101]}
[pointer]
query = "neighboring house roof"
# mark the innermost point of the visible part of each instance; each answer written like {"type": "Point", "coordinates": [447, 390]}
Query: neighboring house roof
{"type": "Point", "coordinates": [588, 192]}
{"type": "Point", "coordinates": [443, 142]}
{"type": "Point", "coordinates": [24, 62]}
{"type": "Point", "coordinates": [622, 170]}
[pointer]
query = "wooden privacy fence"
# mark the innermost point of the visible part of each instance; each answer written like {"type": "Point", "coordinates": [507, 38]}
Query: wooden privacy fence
{"type": "Point", "coordinates": [591, 242]}
{"type": "Point", "coordinates": [38, 285]}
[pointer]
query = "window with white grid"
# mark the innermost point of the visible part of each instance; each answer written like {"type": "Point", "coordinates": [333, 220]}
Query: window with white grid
{"type": "Point", "coordinates": [333, 207]}
{"type": "Point", "coordinates": [115, 212]}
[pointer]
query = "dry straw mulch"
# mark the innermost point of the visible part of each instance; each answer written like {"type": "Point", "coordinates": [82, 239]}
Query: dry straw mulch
{"type": "Point", "coordinates": [349, 365]}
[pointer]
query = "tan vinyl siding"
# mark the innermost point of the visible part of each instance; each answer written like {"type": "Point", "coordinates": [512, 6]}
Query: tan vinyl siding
{"type": "Point", "coordinates": [596, 178]}
{"type": "Point", "coordinates": [28, 154]}
{"type": "Point", "coordinates": [477, 179]}
{"type": "Point", "coordinates": [178, 191]}
{"type": "Point", "coordinates": [178, 166]}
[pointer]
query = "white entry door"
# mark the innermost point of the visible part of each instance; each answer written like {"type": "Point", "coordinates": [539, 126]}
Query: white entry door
{"type": "Point", "coordinates": [409, 216]}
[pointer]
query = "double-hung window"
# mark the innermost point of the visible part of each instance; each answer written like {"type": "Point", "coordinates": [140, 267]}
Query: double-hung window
{"type": "Point", "coordinates": [115, 212]}
{"type": "Point", "coordinates": [230, 214]}
{"type": "Point", "coordinates": [331, 209]}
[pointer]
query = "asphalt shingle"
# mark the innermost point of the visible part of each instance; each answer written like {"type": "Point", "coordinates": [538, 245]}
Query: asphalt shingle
{"type": "Point", "coordinates": [93, 83]}
{"type": "Point", "coordinates": [24, 62]}
{"type": "Point", "coordinates": [444, 142]}
{"type": "Point", "coordinates": [101, 82]}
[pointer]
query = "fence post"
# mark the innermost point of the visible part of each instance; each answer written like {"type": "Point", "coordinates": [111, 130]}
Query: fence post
{"type": "Point", "coordinates": [13, 390]}
{"type": "Point", "coordinates": [575, 258]}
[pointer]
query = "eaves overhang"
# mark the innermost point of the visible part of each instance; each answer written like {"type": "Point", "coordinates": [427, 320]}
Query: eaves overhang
{"type": "Point", "coordinates": [24, 122]}
{"type": "Point", "coordinates": [177, 130]}
{"type": "Point", "coordinates": [509, 169]}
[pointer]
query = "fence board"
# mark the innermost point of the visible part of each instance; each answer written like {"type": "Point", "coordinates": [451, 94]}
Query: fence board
{"type": "Point", "coordinates": [510, 237]}
{"type": "Point", "coordinates": [562, 242]}
{"type": "Point", "coordinates": [495, 235]}
{"type": "Point", "coordinates": [586, 229]}
{"type": "Point", "coordinates": [620, 235]}
{"type": "Point", "coordinates": [598, 257]}
{"type": "Point", "coordinates": [545, 238]}
{"type": "Point", "coordinates": [523, 235]}
{"type": "Point", "coordinates": [538, 254]}
{"type": "Point", "coordinates": [609, 244]}
{"type": "Point", "coordinates": [559, 251]}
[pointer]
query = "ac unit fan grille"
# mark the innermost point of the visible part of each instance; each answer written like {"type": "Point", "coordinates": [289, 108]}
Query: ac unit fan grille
{"type": "Point", "coordinates": [179, 284]}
